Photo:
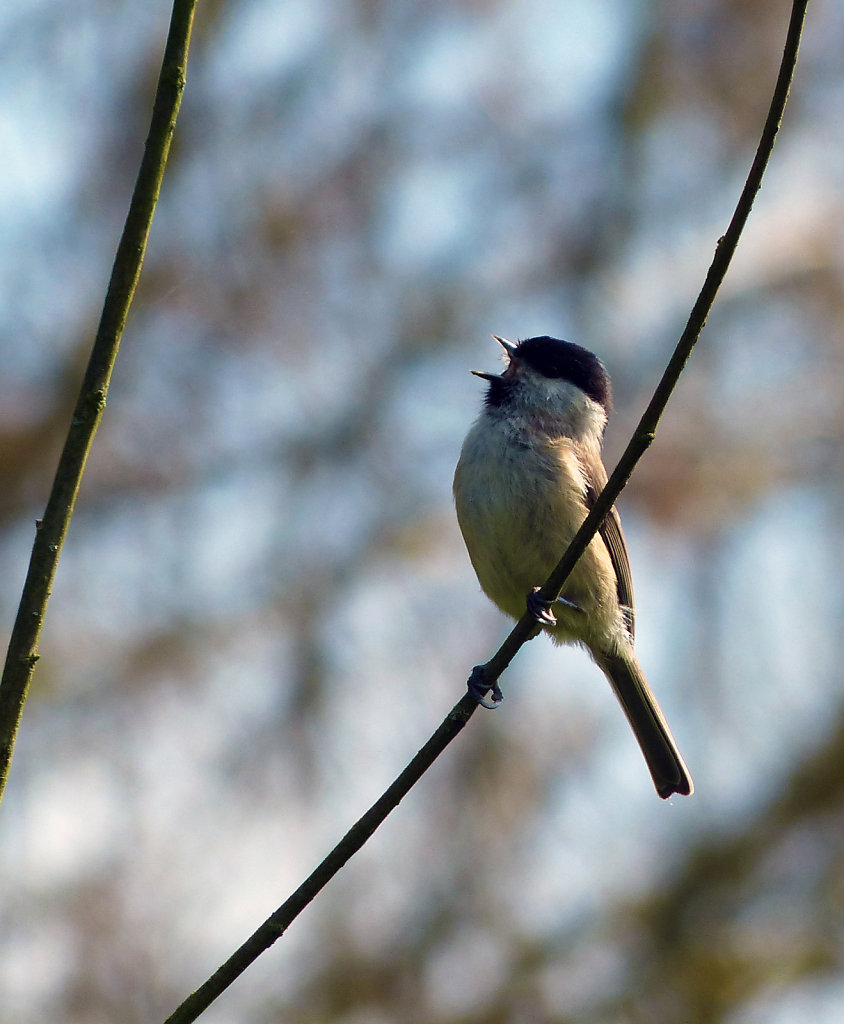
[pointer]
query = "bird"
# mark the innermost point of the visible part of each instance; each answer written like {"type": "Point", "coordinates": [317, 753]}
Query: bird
{"type": "Point", "coordinates": [529, 471]}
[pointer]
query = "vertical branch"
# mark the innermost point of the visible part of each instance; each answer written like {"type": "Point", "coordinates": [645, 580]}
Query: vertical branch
{"type": "Point", "coordinates": [51, 530]}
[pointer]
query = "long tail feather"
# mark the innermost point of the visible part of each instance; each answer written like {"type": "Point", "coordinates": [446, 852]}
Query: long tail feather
{"type": "Point", "coordinates": [667, 767]}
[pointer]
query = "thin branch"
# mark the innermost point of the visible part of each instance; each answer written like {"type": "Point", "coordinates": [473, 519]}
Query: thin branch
{"type": "Point", "coordinates": [275, 925]}
{"type": "Point", "coordinates": [22, 653]}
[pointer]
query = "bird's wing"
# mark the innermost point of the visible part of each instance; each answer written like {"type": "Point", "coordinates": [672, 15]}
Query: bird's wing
{"type": "Point", "coordinates": [613, 538]}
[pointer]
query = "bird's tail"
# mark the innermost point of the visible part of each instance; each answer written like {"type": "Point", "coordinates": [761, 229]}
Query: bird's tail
{"type": "Point", "coordinates": [667, 767]}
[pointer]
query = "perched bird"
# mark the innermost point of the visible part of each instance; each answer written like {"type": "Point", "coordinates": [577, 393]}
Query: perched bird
{"type": "Point", "coordinates": [529, 471]}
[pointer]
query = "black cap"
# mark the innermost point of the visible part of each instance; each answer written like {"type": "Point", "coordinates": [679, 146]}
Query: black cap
{"type": "Point", "coordinates": [566, 361]}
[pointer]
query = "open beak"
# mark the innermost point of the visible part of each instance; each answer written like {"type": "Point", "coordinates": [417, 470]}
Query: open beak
{"type": "Point", "coordinates": [508, 347]}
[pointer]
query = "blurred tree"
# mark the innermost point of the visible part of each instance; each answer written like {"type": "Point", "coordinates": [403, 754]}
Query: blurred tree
{"type": "Point", "coordinates": [264, 605]}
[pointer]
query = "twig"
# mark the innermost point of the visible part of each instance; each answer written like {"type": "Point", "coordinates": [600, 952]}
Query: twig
{"type": "Point", "coordinates": [275, 925]}
{"type": "Point", "coordinates": [51, 530]}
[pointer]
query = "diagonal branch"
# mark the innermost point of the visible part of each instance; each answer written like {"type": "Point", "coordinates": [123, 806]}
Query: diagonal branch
{"type": "Point", "coordinates": [22, 653]}
{"type": "Point", "coordinates": [278, 922]}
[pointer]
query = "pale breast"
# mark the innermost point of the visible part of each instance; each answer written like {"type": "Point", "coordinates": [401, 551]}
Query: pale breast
{"type": "Point", "coordinates": [519, 506]}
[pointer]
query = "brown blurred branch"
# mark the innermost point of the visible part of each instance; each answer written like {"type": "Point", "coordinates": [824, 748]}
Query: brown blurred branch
{"type": "Point", "coordinates": [51, 530]}
{"type": "Point", "coordinates": [278, 922]}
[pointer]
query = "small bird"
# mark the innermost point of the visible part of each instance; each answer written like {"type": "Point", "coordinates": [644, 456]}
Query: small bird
{"type": "Point", "coordinates": [529, 471]}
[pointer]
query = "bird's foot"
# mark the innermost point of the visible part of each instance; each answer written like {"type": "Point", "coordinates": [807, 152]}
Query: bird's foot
{"type": "Point", "coordinates": [478, 688]}
{"type": "Point", "coordinates": [540, 609]}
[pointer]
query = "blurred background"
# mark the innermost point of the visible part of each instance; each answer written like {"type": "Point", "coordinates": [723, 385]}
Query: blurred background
{"type": "Point", "coordinates": [264, 607]}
